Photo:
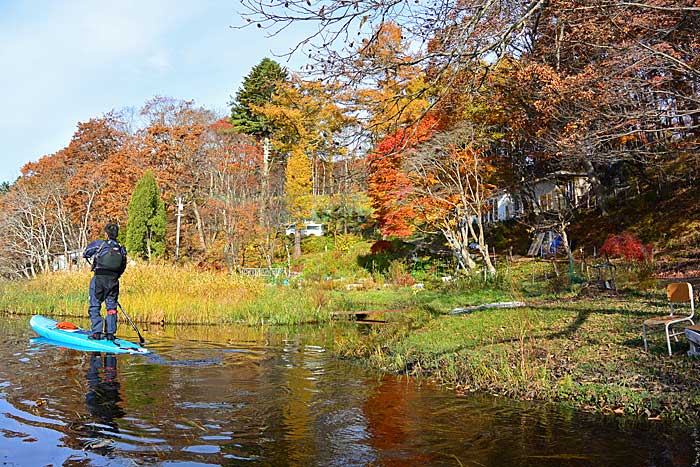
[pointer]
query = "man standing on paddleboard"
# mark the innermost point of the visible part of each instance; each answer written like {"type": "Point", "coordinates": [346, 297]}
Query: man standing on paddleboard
{"type": "Point", "coordinates": [108, 263]}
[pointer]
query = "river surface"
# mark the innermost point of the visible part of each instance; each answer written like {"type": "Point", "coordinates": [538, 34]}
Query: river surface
{"type": "Point", "coordinates": [247, 396]}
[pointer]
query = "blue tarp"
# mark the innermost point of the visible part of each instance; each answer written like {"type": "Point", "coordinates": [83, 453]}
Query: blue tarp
{"type": "Point", "coordinates": [555, 244]}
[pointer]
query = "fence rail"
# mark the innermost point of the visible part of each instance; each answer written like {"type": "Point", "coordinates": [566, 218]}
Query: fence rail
{"type": "Point", "coordinates": [263, 272]}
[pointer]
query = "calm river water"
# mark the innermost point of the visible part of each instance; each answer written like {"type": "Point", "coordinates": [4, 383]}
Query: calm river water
{"type": "Point", "coordinates": [240, 396]}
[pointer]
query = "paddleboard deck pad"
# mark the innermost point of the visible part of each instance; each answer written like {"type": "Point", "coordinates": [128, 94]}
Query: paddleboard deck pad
{"type": "Point", "coordinates": [78, 338]}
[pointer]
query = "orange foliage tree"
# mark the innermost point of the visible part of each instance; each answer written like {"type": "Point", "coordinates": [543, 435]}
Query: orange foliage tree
{"type": "Point", "coordinates": [449, 178]}
{"type": "Point", "coordinates": [388, 185]}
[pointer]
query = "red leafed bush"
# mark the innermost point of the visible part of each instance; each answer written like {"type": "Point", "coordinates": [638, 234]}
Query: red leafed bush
{"type": "Point", "coordinates": [380, 246]}
{"type": "Point", "coordinates": [626, 246]}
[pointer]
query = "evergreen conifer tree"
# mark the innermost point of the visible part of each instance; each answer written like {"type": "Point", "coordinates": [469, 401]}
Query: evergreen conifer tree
{"type": "Point", "coordinates": [145, 228]}
{"type": "Point", "coordinates": [257, 89]}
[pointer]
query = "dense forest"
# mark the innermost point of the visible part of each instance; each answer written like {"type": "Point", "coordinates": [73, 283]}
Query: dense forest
{"type": "Point", "coordinates": [408, 118]}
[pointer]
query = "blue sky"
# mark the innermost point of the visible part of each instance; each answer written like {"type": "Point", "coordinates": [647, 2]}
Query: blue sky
{"type": "Point", "coordinates": [63, 62]}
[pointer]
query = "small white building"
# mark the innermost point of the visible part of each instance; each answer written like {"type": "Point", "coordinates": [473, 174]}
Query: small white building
{"type": "Point", "coordinates": [310, 229]}
{"type": "Point", "coordinates": [63, 262]}
{"type": "Point", "coordinates": [502, 206]}
{"type": "Point", "coordinates": [548, 194]}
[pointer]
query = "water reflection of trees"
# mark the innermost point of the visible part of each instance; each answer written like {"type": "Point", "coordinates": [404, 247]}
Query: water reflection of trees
{"type": "Point", "coordinates": [393, 423]}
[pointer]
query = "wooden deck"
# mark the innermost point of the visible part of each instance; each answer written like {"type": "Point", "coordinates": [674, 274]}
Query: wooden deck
{"type": "Point", "coordinates": [366, 316]}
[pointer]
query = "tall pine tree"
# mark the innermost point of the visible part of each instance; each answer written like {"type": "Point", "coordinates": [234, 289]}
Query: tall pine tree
{"type": "Point", "coordinates": [257, 90]}
{"type": "Point", "coordinates": [145, 228]}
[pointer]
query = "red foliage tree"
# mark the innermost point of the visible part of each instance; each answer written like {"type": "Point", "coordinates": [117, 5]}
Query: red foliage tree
{"type": "Point", "coordinates": [387, 185]}
{"type": "Point", "coordinates": [626, 246]}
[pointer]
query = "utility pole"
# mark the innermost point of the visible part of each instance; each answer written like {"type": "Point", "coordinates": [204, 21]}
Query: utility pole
{"type": "Point", "coordinates": [177, 233]}
{"type": "Point", "coordinates": [265, 185]}
{"type": "Point", "coordinates": [265, 201]}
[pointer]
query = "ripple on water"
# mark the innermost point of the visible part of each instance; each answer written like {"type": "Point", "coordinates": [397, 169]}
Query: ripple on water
{"type": "Point", "coordinates": [203, 449]}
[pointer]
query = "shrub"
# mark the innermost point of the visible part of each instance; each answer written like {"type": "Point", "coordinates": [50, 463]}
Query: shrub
{"type": "Point", "coordinates": [381, 246]}
{"type": "Point", "coordinates": [626, 246]}
{"type": "Point", "coordinates": [398, 274]}
{"type": "Point", "coordinates": [346, 242]}
{"type": "Point", "coordinates": [316, 244]}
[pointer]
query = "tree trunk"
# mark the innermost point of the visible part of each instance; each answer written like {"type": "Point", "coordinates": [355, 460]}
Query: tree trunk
{"type": "Point", "coordinates": [484, 250]}
{"type": "Point", "coordinates": [596, 186]}
{"type": "Point", "coordinates": [478, 236]}
{"type": "Point", "coordinates": [297, 243]}
{"type": "Point", "coordinates": [466, 259]}
{"type": "Point", "coordinates": [200, 226]}
{"type": "Point", "coordinates": [567, 247]}
{"type": "Point", "coordinates": [270, 241]}
{"type": "Point", "coordinates": [460, 250]}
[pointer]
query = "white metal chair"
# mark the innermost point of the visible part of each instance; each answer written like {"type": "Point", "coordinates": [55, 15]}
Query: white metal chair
{"type": "Point", "coordinates": [677, 293]}
{"type": "Point", "coordinates": [692, 333]}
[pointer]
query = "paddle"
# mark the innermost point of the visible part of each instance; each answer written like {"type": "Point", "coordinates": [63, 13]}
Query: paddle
{"type": "Point", "coordinates": [141, 339]}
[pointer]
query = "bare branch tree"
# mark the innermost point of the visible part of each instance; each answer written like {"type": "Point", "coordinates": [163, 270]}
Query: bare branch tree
{"type": "Point", "coordinates": [450, 188]}
{"type": "Point", "coordinates": [445, 38]}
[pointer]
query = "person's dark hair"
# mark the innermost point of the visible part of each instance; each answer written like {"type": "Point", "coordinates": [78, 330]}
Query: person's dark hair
{"type": "Point", "coordinates": [112, 231]}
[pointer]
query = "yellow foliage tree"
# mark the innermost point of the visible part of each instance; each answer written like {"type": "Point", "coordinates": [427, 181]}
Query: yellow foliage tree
{"type": "Point", "coordinates": [298, 188]}
{"type": "Point", "coordinates": [306, 118]}
{"type": "Point", "coordinates": [400, 95]}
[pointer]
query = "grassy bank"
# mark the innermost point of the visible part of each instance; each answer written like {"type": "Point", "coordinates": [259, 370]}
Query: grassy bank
{"type": "Point", "coordinates": [159, 293]}
{"type": "Point", "coordinates": [164, 294]}
{"type": "Point", "coordinates": [587, 352]}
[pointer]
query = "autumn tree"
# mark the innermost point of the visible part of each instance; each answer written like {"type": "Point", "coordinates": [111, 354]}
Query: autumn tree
{"type": "Point", "coordinates": [387, 182]}
{"type": "Point", "coordinates": [230, 212]}
{"type": "Point", "coordinates": [450, 187]}
{"type": "Point", "coordinates": [397, 95]}
{"type": "Point", "coordinates": [305, 115]}
{"type": "Point", "coordinates": [87, 168]}
{"type": "Point", "coordinates": [298, 192]}
{"type": "Point", "coordinates": [616, 81]}
{"type": "Point", "coordinates": [446, 38]}
{"type": "Point", "coordinates": [257, 90]}
{"type": "Point", "coordinates": [173, 144]}
{"type": "Point", "coordinates": [307, 120]}
{"type": "Point", "coordinates": [29, 227]}
{"type": "Point", "coordinates": [608, 85]}
{"type": "Point", "coordinates": [145, 228]}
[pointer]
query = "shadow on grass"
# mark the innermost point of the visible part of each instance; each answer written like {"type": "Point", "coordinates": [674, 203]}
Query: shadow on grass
{"type": "Point", "coordinates": [432, 310]}
{"type": "Point", "coordinates": [657, 345]}
{"type": "Point", "coordinates": [584, 314]}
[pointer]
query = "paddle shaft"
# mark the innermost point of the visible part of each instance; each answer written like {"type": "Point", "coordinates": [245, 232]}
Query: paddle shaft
{"type": "Point", "coordinates": [141, 339]}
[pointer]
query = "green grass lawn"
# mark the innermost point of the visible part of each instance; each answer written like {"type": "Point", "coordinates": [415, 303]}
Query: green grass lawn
{"type": "Point", "coordinates": [588, 352]}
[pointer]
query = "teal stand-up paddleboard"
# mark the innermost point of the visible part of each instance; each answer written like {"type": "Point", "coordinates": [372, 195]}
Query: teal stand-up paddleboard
{"type": "Point", "coordinates": [78, 338]}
